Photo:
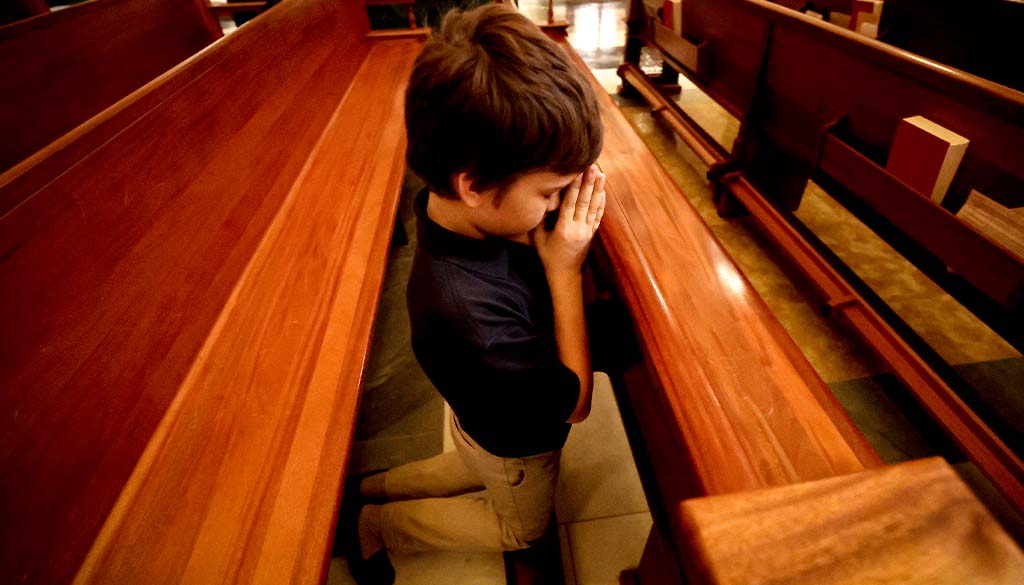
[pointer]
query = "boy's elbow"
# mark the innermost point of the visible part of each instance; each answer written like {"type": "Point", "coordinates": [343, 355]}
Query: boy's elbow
{"type": "Point", "coordinates": [583, 401]}
{"type": "Point", "coordinates": [579, 415]}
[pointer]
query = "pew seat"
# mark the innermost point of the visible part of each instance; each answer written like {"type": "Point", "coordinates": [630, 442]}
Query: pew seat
{"type": "Point", "coordinates": [189, 286]}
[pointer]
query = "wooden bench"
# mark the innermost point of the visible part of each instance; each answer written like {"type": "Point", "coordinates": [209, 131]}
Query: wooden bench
{"type": "Point", "coordinates": [724, 401]}
{"type": "Point", "coordinates": [806, 93]}
{"type": "Point", "coordinates": [64, 67]}
{"type": "Point", "coordinates": [188, 300]}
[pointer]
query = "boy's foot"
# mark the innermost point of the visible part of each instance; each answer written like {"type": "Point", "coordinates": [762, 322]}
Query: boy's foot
{"type": "Point", "coordinates": [376, 570]}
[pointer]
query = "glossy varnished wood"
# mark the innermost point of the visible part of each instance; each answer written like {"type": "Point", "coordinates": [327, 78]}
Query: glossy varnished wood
{"type": "Point", "coordinates": [116, 267]}
{"type": "Point", "coordinates": [61, 68]}
{"type": "Point", "coordinates": [740, 398]}
{"type": "Point", "coordinates": [254, 446]}
{"type": "Point", "coordinates": [912, 523]}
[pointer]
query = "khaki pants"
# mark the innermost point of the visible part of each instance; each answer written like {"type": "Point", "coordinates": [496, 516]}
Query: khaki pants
{"type": "Point", "coordinates": [507, 503]}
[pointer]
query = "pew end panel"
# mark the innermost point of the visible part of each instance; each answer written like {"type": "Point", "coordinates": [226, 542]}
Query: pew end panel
{"type": "Point", "coordinates": [852, 529]}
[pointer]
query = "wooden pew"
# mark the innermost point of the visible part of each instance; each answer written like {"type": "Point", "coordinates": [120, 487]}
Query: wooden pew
{"type": "Point", "coordinates": [726, 404]}
{"type": "Point", "coordinates": [725, 400]}
{"type": "Point", "coordinates": [187, 310]}
{"type": "Point", "coordinates": [62, 68]}
{"type": "Point", "coordinates": [806, 93]}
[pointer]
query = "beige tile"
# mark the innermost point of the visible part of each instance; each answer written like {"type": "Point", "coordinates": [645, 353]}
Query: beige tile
{"type": "Point", "coordinates": [434, 568]}
{"type": "Point", "coordinates": [603, 548]}
{"type": "Point", "coordinates": [565, 547]}
{"type": "Point", "coordinates": [949, 328]}
{"type": "Point", "coordinates": [598, 476]}
{"type": "Point", "coordinates": [608, 78]}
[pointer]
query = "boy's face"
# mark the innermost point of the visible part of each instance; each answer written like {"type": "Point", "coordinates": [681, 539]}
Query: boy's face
{"type": "Point", "coordinates": [524, 205]}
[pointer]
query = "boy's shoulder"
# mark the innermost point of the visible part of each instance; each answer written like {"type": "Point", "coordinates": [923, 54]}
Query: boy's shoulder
{"type": "Point", "coordinates": [447, 296]}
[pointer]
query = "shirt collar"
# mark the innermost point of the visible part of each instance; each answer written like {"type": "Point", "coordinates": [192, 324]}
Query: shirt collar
{"type": "Point", "coordinates": [489, 255]}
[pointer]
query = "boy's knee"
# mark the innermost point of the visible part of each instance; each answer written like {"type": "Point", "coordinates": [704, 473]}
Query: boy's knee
{"type": "Point", "coordinates": [526, 536]}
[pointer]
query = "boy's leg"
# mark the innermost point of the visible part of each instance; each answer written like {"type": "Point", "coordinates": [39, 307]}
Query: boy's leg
{"type": "Point", "coordinates": [437, 477]}
{"type": "Point", "coordinates": [512, 513]}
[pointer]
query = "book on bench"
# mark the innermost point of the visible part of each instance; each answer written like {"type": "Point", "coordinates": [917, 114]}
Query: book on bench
{"type": "Point", "coordinates": [925, 156]}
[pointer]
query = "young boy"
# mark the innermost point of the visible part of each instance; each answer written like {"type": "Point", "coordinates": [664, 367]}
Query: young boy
{"type": "Point", "coordinates": [504, 130]}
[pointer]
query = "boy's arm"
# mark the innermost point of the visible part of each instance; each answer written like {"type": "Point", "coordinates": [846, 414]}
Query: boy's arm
{"type": "Point", "coordinates": [562, 253]}
{"type": "Point", "coordinates": [571, 336]}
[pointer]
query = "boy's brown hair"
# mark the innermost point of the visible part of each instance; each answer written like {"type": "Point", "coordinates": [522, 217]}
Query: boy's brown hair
{"type": "Point", "coordinates": [493, 96]}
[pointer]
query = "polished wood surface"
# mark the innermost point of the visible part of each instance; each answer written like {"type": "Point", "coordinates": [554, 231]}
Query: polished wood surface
{"type": "Point", "coordinates": [117, 263]}
{"type": "Point", "coordinates": [64, 67]}
{"type": "Point", "coordinates": [255, 444]}
{"type": "Point", "coordinates": [736, 397]}
{"type": "Point", "coordinates": [912, 523]}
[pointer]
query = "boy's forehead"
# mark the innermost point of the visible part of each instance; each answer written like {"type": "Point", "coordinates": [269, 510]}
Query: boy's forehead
{"type": "Point", "coordinates": [547, 178]}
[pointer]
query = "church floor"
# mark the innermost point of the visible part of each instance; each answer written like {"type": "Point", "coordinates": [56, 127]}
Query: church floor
{"type": "Point", "coordinates": [603, 517]}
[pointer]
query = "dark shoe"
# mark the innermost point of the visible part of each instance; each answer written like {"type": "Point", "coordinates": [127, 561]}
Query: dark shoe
{"type": "Point", "coordinates": [376, 570]}
{"type": "Point", "coordinates": [346, 531]}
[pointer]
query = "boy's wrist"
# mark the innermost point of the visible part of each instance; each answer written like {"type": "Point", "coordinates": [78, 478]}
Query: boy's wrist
{"type": "Point", "coordinates": [564, 278]}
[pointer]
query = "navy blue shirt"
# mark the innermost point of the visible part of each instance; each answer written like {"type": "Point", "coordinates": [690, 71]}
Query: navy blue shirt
{"type": "Point", "coordinates": [483, 331]}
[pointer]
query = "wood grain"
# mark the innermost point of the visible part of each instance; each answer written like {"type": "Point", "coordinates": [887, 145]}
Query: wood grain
{"type": "Point", "coordinates": [737, 395]}
{"type": "Point", "coordinates": [253, 449]}
{"type": "Point", "coordinates": [910, 523]}
{"type": "Point", "coordinates": [115, 270]}
{"type": "Point", "coordinates": [64, 67]}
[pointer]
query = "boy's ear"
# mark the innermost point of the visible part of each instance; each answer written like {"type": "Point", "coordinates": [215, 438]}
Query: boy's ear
{"type": "Point", "coordinates": [462, 185]}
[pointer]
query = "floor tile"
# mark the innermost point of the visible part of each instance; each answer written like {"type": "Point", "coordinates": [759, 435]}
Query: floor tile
{"type": "Point", "coordinates": [603, 548]}
{"type": "Point", "coordinates": [598, 476]}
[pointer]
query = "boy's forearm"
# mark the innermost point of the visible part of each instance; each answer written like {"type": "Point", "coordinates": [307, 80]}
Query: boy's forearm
{"type": "Point", "coordinates": [571, 335]}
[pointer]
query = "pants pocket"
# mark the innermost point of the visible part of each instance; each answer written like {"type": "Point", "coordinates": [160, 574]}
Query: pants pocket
{"type": "Point", "coordinates": [515, 472]}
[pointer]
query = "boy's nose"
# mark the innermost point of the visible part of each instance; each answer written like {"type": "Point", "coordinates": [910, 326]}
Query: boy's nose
{"type": "Point", "coordinates": [553, 203]}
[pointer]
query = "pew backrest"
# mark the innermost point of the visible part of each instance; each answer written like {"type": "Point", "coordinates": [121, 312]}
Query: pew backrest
{"type": "Point", "coordinates": [187, 303]}
{"type": "Point", "coordinates": [64, 67]}
{"type": "Point", "coordinates": [816, 100]}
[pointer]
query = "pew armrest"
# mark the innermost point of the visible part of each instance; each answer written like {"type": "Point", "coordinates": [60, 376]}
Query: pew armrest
{"type": "Point", "coordinates": [856, 528]}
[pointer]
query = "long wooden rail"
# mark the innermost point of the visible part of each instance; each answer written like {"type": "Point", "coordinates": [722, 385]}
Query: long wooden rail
{"type": "Point", "coordinates": [188, 298]}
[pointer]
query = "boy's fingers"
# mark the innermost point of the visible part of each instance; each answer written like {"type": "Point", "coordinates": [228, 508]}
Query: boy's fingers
{"type": "Point", "coordinates": [600, 211]}
{"type": "Point", "coordinates": [597, 201]}
{"type": "Point", "coordinates": [585, 195]}
{"type": "Point", "coordinates": [571, 194]}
